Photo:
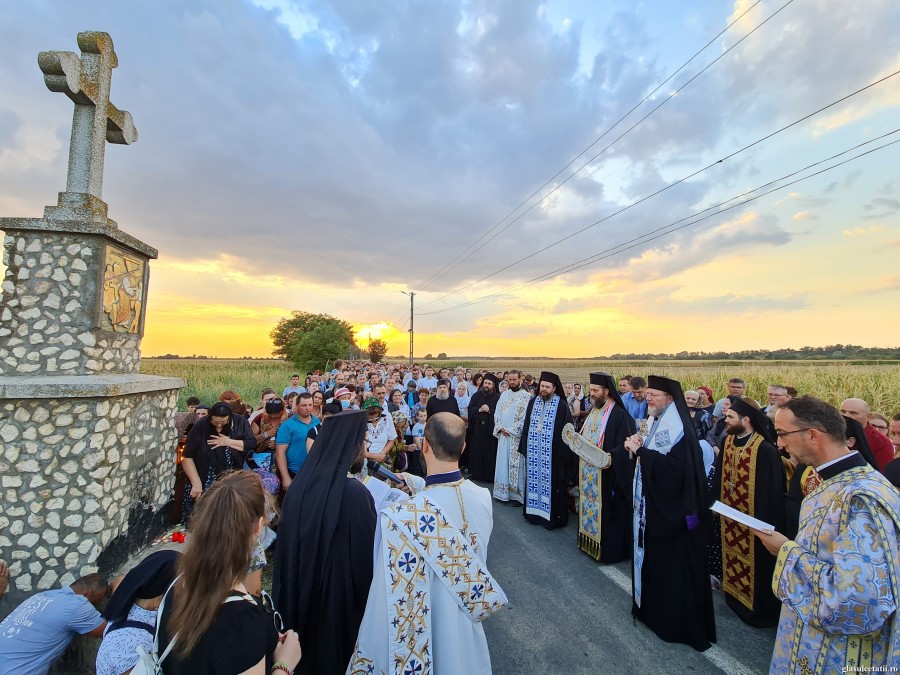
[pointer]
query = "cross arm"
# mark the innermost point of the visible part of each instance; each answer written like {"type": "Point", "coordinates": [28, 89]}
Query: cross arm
{"type": "Point", "coordinates": [62, 73]}
{"type": "Point", "coordinates": [120, 126]}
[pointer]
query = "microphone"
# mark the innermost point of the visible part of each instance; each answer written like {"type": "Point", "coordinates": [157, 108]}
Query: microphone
{"type": "Point", "coordinates": [383, 473]}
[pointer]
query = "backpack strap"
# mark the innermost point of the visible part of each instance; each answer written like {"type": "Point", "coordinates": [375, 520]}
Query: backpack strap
{"type": "Point", "coordinates": [159, 620]}
{"type": "Point", "coordinates": [133, 624]}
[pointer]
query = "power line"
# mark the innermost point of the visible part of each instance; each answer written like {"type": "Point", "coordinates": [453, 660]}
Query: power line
{"type": "Point", "coordinates": [443, 270]}
{"type": "Point", "coordinates": [671, 227]}
{"type": "Point", "coordinates": [396, 313]}
{"type": "Point", "coordinates": [664, 189]}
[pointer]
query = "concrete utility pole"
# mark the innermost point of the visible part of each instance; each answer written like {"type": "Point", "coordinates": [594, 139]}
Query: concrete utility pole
{"type": "Point", "coordinates": [412, 299]}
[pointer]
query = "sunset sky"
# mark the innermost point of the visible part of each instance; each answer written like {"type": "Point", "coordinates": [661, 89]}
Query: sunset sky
{"type": "Point", "coordinates": [325, 156]}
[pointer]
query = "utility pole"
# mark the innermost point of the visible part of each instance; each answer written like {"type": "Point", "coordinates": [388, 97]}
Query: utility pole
{"type": "Point", "coordinates": [412, 298]}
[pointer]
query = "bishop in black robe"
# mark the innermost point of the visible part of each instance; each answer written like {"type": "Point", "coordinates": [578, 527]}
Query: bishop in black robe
{"type": "Point", "coordinates": [323, 562]}
{"type": "Point", "coordinates": [670, 582]}
{"type": "Point", "coordinates": [481, 442]}
{"type": "Point", "coordinates": [751, 460]}
{"type": "Point", "coordinates": [548, 460]}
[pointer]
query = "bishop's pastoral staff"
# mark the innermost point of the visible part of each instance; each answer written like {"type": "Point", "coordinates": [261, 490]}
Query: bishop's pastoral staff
{"type": "Point", "coordinates": [670, 582]}
{"type": "Point", "coordinates": [431, 587]}
{"type": "Point", "coordinates": [548, 459]}
{"type": "Point", "coordinates": [604, 513]}
{"type": "Point", "coordinates": [839, 578]}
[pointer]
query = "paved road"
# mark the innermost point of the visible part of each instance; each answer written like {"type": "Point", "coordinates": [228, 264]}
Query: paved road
{"type": "Point", "coordinates": [569, 614]}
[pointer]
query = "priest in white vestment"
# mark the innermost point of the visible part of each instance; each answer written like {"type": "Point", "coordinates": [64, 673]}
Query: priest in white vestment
{"type": "Point", "coordinates": [509, 476]}
{"type": "Point", "coordinates": [431, 587]}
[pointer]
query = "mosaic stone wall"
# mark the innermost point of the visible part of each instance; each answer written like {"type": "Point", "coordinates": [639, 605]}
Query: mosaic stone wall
{"type": "Point", "coordinates": [84, 482]}
{"type": "Point", "coordinates": [52, 304]}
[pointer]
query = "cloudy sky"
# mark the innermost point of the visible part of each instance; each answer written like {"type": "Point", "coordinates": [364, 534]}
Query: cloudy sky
{"type": "Point", "coordinates": [324, 156]}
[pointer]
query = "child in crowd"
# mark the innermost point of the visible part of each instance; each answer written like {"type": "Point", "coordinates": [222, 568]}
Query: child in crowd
{"type": "Point", "coordinates": [417, 435]}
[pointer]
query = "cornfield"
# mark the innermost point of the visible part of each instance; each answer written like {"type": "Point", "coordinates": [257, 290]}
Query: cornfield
{"type": "Point", "coordinates": [833, 381]}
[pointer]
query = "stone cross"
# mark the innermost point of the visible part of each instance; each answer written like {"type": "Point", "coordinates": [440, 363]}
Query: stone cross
{"type": "Point", "coordinates": [96, 120]}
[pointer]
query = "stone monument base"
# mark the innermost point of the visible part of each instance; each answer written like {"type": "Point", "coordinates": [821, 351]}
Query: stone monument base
{"type": "Point", "coordinates": [87, 466]}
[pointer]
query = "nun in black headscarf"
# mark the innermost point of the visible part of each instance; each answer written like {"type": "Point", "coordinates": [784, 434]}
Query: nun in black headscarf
{"type": "Point", "coordinates": [323, 562]}
{"type": "Point", "coordinates": [131, 612]}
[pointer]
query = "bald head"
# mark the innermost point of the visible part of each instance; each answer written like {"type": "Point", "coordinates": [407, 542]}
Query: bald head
{"type": "Point", "coordinates": [446, 434]}
{"type": "Point", "coordinates": [857, 409]}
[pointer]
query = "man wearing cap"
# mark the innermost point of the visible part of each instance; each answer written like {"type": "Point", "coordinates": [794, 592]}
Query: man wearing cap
{"type": "Point", "coordinates": [670, 582]}
{"type": "Point", "coordinates": [548, 460]}
{"type": "Point", "coordinates": [604, 513]}
{"type": "Point", "coordinates": [749, 478]}
{"type": "Point", "coordinates": [381, 430]}
{"type": "Point", "coordinates": [442, 401]}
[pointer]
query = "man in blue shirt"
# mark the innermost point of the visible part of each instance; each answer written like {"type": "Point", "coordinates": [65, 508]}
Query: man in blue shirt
{"type": "Point", "coordinates": [294, 387]}
{"type": "Point", "coordinates": [635, 401]}
{"type": "Point", "coordinates": [290, 441]}
{"type": "Point", "coordinates": [37, 632]}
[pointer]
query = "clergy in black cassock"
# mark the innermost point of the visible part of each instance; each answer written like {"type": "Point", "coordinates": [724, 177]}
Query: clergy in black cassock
{"type": "Point", "coordinates": [548, 460]}
{"type": "Point", "coordinates": [323, 561]}
{"type": "Point", "coordinates": [442, 401]}
{"type": "Point", "coordinates": [749, 477]}
{"type": "Point", "coordinates": [670, 583]}
{"type": "Point", "coordinates": [604, 513]}
{"type": "Point", "coordinates": [481, 442]}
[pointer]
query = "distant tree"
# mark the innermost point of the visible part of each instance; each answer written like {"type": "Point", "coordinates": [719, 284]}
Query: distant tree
{"type": "Point", "coordinates": [441, 356]}
{"type": "Point", "coordinates": [310, 341]}
{"type": "Point", "coordinates": [428, 356]}
{"type": "Point", "coordinates": [377, 350]}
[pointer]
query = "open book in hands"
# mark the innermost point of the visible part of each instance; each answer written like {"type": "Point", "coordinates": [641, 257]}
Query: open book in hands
{"type": "Point", "coordinates": [741, 517]}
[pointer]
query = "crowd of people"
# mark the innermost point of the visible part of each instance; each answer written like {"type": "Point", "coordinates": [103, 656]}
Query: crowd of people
{"type": "Point", "coordinates": [379, 562]}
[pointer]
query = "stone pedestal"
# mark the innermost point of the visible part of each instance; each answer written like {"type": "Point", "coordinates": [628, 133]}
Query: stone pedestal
{"type": "Point", "coordinates": [87, 468]}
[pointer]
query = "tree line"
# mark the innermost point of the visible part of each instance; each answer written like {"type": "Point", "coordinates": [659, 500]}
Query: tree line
{"type": "Point", "coordinates": [830, 352]}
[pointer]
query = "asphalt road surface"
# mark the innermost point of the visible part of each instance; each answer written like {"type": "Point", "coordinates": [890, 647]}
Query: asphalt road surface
{"type": "Point", "coordinates": [569, 614]}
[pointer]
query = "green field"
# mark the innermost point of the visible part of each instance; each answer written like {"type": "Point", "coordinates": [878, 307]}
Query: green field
{"type": "Point", "coordinates": [879, 384]}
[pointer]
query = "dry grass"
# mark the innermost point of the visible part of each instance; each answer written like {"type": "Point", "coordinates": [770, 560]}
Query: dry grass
{"type": "Point", "coordinates": [833, 381]}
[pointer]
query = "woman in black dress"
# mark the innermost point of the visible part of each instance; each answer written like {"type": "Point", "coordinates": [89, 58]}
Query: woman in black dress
{"type": "Point", "coordinates": [219, 442]}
